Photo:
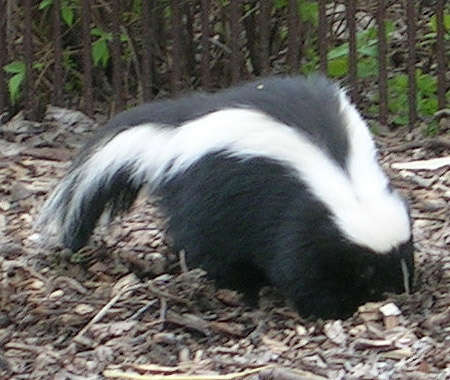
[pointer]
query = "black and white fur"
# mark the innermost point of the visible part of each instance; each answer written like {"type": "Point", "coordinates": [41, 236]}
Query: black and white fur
{"type": "Point", "coordinates": [275, 181]}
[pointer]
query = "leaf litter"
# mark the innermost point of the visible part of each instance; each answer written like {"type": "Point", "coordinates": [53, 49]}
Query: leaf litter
{"type": "Point", "coordinates": [126, 306]}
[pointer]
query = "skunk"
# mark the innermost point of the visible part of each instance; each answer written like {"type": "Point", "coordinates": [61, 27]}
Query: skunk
{"type": "Point", "coordinates": [272, 182]}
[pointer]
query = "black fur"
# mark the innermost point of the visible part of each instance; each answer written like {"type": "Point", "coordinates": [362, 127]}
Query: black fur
{"type": "Point", "coordinates": [255, 224]}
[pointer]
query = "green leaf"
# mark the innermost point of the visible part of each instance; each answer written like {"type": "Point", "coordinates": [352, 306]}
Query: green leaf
{"type": "Point", "coordinates": [100, 49]}
{"type": "Point", "coordinates": [100, 52]}
{"type": "Point", "coordinates": [428, 106]}
{"type": "Point", "coordinates": [67, 14]}
{"type": "Point", "coordinates": [371, 51]}
{"type": "Point", "coordinates": [432, 128]}
{"type": "Point", "coordinates": [338, 67]}
{"type": "Point", "coordinates": [433, 22]}
{"type": "Point", "coordinates": [400, 120]}
{"type": "Point", "coordinates": [338, 52]}
{"type": "Point", "coordinates": [97, 32]}
{"type": "Point", "coordinates": [427, 84]}
{"type": "Point", "coordinates": [367, 67]}
{"type": "Point", "coordinates": [14, 84]}
{"type": "Point", "coordinates": [399, 83]}
{"type": "Point", "coordinates": [389, 26]}
{"type": "Point", "coordinates": [45, 4]}
{"type": "Point", "coordinates": [397, 103]}
{"type": "Point", "coordinates": [278, 4]}
{"type": "Point", "coordinates": [309, 12]}
{"type": "Point", "coordinates": [38, 66]}
{"type": "Point", "coordinates": [15, 67]}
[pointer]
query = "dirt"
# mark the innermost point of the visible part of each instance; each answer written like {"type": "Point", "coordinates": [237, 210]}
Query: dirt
{"type": "Point", "coordinates": [127, 307]}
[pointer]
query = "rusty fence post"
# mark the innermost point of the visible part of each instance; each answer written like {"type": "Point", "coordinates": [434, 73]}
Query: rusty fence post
{"type": "Point", "coordinates": [264, 35]}
{"type": "Point", "coordinates": [293, 40]}
{"type": "Point", "coordinates": [116, 56]}
{"type": "Point", "coordinates": [29, 90]}
{"type": "Point", "coordinates": [204, 43]}
{"type": "Point", "coordinates": [350, 15]}
{"type": "Point", "coordinates": [440, 49]}
{"type": "Point", "coordinates": [58, 58]}
{"type": "Point", "coordinates": [235, 62]}
{"type": "Point", "coordinates": [3, 57]}
{"type": "Point", "coordinates": [322, 33]}
{"type": "Point", "coordinates": [147, 55]}
{"type": "Point", "coordinates": [382, 69]}
{"type": "Point", "coordinates": [411, 31]}
{"type": "Point", "coordinates": [177, 55]}
{"type": "Point", "coordinates": [88, 97]}
{"type": "Point", "coordinates": [188, 40]}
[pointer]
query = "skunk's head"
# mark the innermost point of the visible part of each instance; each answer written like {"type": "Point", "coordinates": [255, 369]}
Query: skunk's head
{"type": "Point", "coordinates": [330, 276]}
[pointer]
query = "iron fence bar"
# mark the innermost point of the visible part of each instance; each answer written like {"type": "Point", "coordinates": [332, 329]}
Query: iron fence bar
{"type": "Point", "coordinates": [322, 34]}
{"type": "Point", "coordinates": [293, 29]}
{"type": "Point", "coordinates": [235, 14]}
{"type": "Point", "coordinates": [250, 26]}
{"type": "Point", "coordinates": [116, 56]}
{"type": "Point", "coordinates": [204, 42]}
{"type": "Point", "coordinates": [58, 58]}
{"type": "Point", "coordinates": [188, 43]}
{"type": "Point", "coordinates": [30, 101]}
{"type": "Point", "coordinates": [176, 46]}
{"type": "Point", "coordinates": [88, 96]}
{"type": "Point", "coordinates": [264, 34]}
{"type": "Point", "coordinates": [147, 56]}
{"type": "Point", "coordinates": [440, 50]}
{"type": "Point", "coordinates": [350, 15]}
{"type": "Point", "coordinates": [382, 69]}
{"type": "Point", "coordinates": [411, 31]}
{"type": "Point", "coordinates": [3, 57]}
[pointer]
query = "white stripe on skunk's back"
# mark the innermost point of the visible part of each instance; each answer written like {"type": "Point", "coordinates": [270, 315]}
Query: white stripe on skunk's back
{"type": "Point", "coordinates": [364, 209]}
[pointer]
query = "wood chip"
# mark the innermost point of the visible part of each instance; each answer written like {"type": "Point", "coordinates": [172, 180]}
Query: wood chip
{"type": "Point", "coordinates": [83, 309]}
{"type": "Point", "coordinates": [362, 343]}
{"type": "Point", "coordinates": [398, 354]}
{"type": "Point", "coordinates": [335, 332]}
{"type": "Point", "coordinates": [432, 164]}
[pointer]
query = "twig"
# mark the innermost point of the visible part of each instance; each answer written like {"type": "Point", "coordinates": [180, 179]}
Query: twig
{"type": "Point", "coordinates": [166, 295]}
{"type": "Point", "coordinates": [106, 308]}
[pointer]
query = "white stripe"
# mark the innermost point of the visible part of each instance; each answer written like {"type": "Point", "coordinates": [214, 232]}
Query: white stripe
{"type": "Point", "coordinates": [362, 207]}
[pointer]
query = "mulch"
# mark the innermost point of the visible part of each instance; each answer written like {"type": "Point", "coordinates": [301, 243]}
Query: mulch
{"type": "Point", "coordinates": [126, 306]}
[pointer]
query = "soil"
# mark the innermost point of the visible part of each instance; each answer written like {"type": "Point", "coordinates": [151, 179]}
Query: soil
{"type": "Point", "coordinates": [126, 306]}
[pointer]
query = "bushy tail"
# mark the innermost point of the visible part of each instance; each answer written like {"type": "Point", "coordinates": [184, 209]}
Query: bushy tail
{"type": "Point", "coordinates": [106, 177]}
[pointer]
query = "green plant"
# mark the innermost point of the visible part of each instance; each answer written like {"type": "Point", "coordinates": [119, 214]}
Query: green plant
{"type": "Point", "coordinates": [100, 49]}
{"type": "Point", "coordinates": [367, 50]}
{"type": "Point", "coordinates": [17, 70]}
{"type": "Point", "coordinates": [308, 11]}
{"type": "Point", "coordinates": [427, 104]}
{"type": "Point", "coordinates": [67, 9]}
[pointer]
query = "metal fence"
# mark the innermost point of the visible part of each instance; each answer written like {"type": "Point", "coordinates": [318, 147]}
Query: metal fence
{"type": "Point", "coordinates": [159, 47]}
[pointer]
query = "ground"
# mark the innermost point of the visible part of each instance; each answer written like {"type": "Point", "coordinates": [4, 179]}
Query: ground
{"type": "Point", "coordinates": [127, 307]}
